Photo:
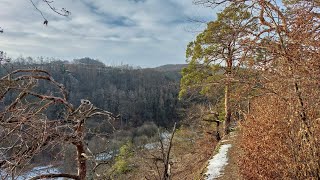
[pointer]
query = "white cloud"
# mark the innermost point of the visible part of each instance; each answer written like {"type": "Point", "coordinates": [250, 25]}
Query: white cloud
{"type": "Point", "coordinates": [142, 33]}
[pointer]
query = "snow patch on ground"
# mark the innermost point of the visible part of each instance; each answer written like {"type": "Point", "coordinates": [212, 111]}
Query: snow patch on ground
{"type": "Point", "coordinates": [105, 156]}
{"type": "Point", "coordinates": [32, 173]}
{"type": "Point", "coordinates": [38, 171]}
{"type": "Point", "coordinates": [217, 163]}
{"type": "Point", "coordinates": [223, 141]}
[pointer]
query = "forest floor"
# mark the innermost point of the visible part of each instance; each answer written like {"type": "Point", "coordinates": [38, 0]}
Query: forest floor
{"type": "Point", "coordinates": [223, 165]}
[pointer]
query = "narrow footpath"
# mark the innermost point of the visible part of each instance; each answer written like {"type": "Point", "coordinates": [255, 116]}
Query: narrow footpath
{"type": "Point", "coordinates": [223, 165]}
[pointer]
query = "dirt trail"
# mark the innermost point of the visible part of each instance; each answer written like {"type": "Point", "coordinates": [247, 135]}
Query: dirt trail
{"type": "Point", "coordinates": [230, 170]}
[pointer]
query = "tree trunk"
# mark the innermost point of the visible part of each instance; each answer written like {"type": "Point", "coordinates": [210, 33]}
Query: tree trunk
{"type": "Point", "coordinates": [167, 166]}
{"type": "Point", "coordinates": [302, 112]}
{"type": "Point", "coordinates": [227, 120]}
{"type": "Point", "coordinates": [82, 166]}
{"type": "Point", "coordinates": [218, 137]}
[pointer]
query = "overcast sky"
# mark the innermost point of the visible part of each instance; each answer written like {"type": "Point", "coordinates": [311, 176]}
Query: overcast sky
{"type": "Point", "coordinates": [144, 33]}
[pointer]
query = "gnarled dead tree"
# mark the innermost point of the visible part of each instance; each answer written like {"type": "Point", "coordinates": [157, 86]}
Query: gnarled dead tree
{"type": "Point", "coordinates": [26, 130]}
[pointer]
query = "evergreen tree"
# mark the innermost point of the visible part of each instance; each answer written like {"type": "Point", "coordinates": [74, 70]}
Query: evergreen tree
{"type": "Point", "coordinates": [216, 55]}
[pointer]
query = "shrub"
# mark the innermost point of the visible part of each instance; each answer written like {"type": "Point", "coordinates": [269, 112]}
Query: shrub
{"type": "Point", "coordinates": [122, 163]}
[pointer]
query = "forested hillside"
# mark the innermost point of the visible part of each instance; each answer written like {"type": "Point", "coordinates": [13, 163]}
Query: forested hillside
{"type": "Point", "coordinates": [44, 92]}
{"type": "Point", "coordinates": [139, 95]}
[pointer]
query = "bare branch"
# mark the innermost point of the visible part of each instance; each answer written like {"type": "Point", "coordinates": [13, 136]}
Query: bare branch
{"type": "Point", "coordinates": [62, 12]}
{"type": "Point", "coordinates": [46, 176]}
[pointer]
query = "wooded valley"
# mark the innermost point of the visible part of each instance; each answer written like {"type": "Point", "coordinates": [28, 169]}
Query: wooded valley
{"type": "Point", "coordinates": [254, 71]}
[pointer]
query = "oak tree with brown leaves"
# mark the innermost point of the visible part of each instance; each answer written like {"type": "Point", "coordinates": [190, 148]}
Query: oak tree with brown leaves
{"type": "Point", "coordinates": [280, 138]}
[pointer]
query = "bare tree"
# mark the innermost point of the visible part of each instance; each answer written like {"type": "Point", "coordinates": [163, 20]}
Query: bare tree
{"type": "Point", "coordinates": [161, 161]}
{"type": "Point", "coordinates": [27, 131]}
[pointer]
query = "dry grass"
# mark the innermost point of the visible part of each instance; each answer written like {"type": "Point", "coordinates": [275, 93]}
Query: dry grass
{"type": "Point", "coordinates": [194, 160]}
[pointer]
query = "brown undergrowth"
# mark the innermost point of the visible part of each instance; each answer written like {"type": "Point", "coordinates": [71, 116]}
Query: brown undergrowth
{"type": "Point", "coordinates": [275, 145]}
{"type": "Point", "coordinates": [192, 160]}
{"type": "Point", "coordinates": [191, 149]}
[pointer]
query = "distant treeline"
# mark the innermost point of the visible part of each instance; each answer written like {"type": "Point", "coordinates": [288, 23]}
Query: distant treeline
{"type": "Point", "coordinates": [138, 95]}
